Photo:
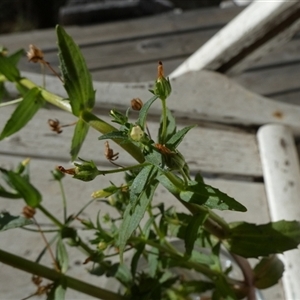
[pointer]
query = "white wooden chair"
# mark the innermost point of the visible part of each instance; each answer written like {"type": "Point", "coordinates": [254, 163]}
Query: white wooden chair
{"type": "Point", "coordinates": [224, 146]}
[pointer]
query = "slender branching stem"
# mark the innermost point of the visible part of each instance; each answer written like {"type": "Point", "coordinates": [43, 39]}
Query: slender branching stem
{"type": "Point", "coordinates": [45, 272]}
{"type": "Point", "coordinates": [164, 121]}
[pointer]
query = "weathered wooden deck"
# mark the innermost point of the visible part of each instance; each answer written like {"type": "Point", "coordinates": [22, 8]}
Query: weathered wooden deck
{"type": "Point", "coordinates": [128, 52]}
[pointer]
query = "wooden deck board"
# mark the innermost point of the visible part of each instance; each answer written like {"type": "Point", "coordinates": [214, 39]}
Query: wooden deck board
{"type": "Point", "coordinates": [213, 151]}
{"type": "Point", "coordinates": [125, 51]}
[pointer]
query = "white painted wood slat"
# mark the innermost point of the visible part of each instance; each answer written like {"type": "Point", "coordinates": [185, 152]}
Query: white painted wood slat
{"type": "Point", "coordinates": [258, 29]}
{"type": "Point", "coordinates": [207, 150]}
{"type": "Point", "coordinates": [282, 180]}
{"type": "Point", "coordinates": [202, 95]}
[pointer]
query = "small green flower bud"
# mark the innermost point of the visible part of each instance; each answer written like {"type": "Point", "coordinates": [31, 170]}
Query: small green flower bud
{"type": "Point", "coordinates": [136, 133]}
{"type": "Point", "coordinates": [102, 246]}
{"type": "Point", "coordinates": [104, 193]}
{"type": "Point", "coordinates": [86, 171]}
{"type": "Point", "coordinates": [162, 87]}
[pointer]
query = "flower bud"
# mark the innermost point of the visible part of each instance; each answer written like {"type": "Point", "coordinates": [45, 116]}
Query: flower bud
{"type": "Point", "coordinates": [104, 193]}
{"type": "Point", "coordinates": [86, 171]}
{"type": "Point", "coordinates": [136, 133]}
{"type": "Point", "coordinates": [102, 246]}
{"type": "Point", "coordinates": [136, 104]}
{"type": "Point", "coordinates": [162, 87]}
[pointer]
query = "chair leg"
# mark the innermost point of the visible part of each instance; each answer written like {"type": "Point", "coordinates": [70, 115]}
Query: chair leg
{"type": "Point", "coordinates": [281, 171]}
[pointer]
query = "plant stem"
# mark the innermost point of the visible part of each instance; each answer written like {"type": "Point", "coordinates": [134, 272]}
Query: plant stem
{"type": "Point", "coordinates": [11, 102]}
{"type": "Point", "coordinates": [120, 170]}
{"type": "Point", "coordinates": [164, 122]}
{"type": "Point", "coordinates": [50, 216]}
{"type": "Point", "coordinates": [64, 200]}
{"type": "Point", "coordinates": [104, 127]}
{"type": "Point", "coordinates": [88, 117]}
{"type": "Point", "coordinates": [45, 272]}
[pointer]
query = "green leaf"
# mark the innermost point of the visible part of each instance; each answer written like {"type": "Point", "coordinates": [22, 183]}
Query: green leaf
{"type": "Point", "coordinates": [192, 231]}
{"type": "Point", "coordinates": [62, 256]}
{"type": "Point", "coordinates": [136, 257]}
{"type": "Point", "coordinates": [77, 78]}
{"type": "Point", "coordinates": [57, 292]}
{"type": "Point", "coordinates": [7, 221]}
{"type": "Point", "coordinates": [80, 132]}
{"type": "Point", "coordinates": [8, 69]}
{"type": "Point", "coordinates": [23, 113]}
{"type": "Point", "coordinates": [251, 240]}
{"type": "Point", "coordinates": [123, 274]}
{"type": "Point", "coordinates": [268, 272]}
{"type": "Point", "coordinates": [171, 127]}
{"type": "Point", "coordinates": [153, 261]}
{"type": "Point", "coordinates": [134, 214]}
{"type": "Point", "coordinates": [144, 111]}
{"type": "Point", "coordinates": [26, 190]}
{"type": "Point", "coordinates": [203, 194]}
{"type": "Point", "coordinates": [3, 91]}
{"type": "Point", "coordinates": [16, 56]}
{"type": "Point", "coordinates": [5, 194]}
{"type": "Point", "coordinates": [120, 135]}
{"type": "Point", "coordinates": [140, 182]}
{"type": "Point", "coordinates": [223, 289]}
{"type": "Point", "coordinates": [177, 138]}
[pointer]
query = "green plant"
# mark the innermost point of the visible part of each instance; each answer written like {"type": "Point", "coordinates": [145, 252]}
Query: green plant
{"type": "Point", "coordinates": [158, 162]}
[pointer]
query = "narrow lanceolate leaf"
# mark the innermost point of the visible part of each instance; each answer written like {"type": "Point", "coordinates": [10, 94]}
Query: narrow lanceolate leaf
{"type": "Point", "coordinates": [177, 138]}
{"type": "Point", "coordinates": [57, 291]}
{"type": "Point", "coordinates": [62, 256]}
{"type": "Point", "coordinates": [133, 215]}
{"type": "Point", "coordinates": [6, 194]}
{"type": "Point", "coordinates": [144, 111]}
{"type": "Point", "coordinates": [192, 231]}
{"type": "Point", "coordinates": [16, 56]}
{"type": "Point", "coordinates": [114, 135]}
{"type": "Point", "coordinates": [8, 69]}
{"type": "Point", "coordinates": [23, 113]}
{"type": "Point", "coordinates": [268, 272]}
{"type": "Point", "coordinates": [26, 190]}
{"type": "Point", "coordinates": [80, 132]}
{"type": "Point", "coordinates": [7, 221]}
{"type": "Point", "coordinates": [77, 78]}
{"type": "Point", "coordinates": [203, 194]}
{"type": "Point", "coordinates": [251, 240]}
{"type": "Point", "coordinates": [140, 182]}
{"type": "Point", "coordinates": [171, 127]}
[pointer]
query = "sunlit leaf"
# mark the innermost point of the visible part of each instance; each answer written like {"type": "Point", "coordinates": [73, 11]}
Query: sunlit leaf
{"type": "Point", "coordinates": [23, 113]}
{"type": "Point", "coordinates": [177, 138]}
{"type": "Point", "coordinates": [62, 256]}
{"type": "Point", "coordinates": [8, 69]}
{"type": "Point", "coordinates": [203, 194]}
{"type": "Point", "coordinates": [80, 132]}
{"type": "Point", "coordinates": [192, 230]}
{"type": "Point", "coordinates": [77, 78]}
{"type": "Point", "coordinates": [133, 215]}
{"type": "Point", "coordinates": [144, 111]}
{"type": "Point", "coordinates": [26, 190]}
{"type": "Point", "coordinates": [16, 56]}
{"type": "Point", "coordinates": [140, 182]}
{"type": "Point", "coordinates": [120, 135]}
{"type": "Point", "coordinates": [7, 221]}
{"type": "Point", "coordinates": [171, 127]}
{"type": "Point", "coordinates": [5, 194]}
